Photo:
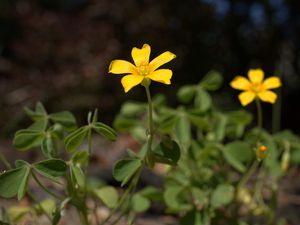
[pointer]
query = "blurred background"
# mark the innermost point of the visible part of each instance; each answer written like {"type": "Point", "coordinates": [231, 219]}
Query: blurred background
{"type": "Point", "coordinates": [58, 51]}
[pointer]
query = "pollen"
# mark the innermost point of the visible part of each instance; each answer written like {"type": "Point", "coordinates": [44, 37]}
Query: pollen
{"type": "Point", "coordinates": [143, 70]}
{"type": "Point", "coordinates": [256, 87]}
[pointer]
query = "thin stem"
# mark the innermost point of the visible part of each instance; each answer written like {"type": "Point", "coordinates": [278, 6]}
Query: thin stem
{"type": "Point", "coordinates": [39, 205]}
{"type": "Point", "coordinates": [45, 188]}
{"type": "Point", "coordinates": [150, 127]}
{"type": "Point", "coordinates": [247, 175]}
{"type": "Point", "coordinates": [5, 162]}
{"type": "Point", "coordinates": [259, 113]}
{"type": "Point", "coordinates": [83, 216]}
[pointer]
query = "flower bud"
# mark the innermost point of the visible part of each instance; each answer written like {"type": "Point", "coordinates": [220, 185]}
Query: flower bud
{"type": "Point", "coordinates": [261, 152]}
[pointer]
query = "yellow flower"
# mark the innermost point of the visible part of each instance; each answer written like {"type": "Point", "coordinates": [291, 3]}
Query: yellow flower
{"type": "Point", "coordinates": [256, 87]}
{"type": "Point", "coordinates": [142, 68]}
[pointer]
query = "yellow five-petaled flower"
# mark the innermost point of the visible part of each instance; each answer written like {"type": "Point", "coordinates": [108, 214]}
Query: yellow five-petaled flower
{"type": "Point", "coordinates": [256, 87]}
{"type": "Point", "coordinates": [142, 68]}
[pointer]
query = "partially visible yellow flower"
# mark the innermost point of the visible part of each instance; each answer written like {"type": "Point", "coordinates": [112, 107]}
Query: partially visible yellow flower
{"type": "Point", "coordinates": [256, 87]}
{"type": "Point", "coordinates": [142, 68]}
{"type": "Point", "coordinates": [261, 152]}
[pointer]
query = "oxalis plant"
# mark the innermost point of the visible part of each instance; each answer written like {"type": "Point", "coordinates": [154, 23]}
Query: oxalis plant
{"type": "Point", "coordinates": [217, 169]}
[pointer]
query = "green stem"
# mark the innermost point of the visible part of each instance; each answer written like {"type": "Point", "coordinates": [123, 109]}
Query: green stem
{"type": "Point", "coordinates": [259, 113]}
{"type": "Point", "coordinates": [247, 175]}
{"type": "Point", "coordinates": [83, 216]}
{"type": "Point", "coordinates": [128, 191]}
{"type": "Point", "coordinates": [150, 133]}
{"type": "Point", "coordinates": [45, 188]}
{"type": "Point", "coordinates": [5, 162]}
{"type": "Point", "coordinates": [39, 205]}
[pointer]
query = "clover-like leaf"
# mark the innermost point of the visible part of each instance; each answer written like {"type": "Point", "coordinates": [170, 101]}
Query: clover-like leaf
{"type": "Point", "coordinates": [167, 152]}
{"type": "Point", "coordinates": [14, 182]}
{"type": "Point", "coordinates": [222, 195]}
{"type": "Point", "coordinates": [108, 195]}
{"type": "Point", "coordinates": [75, 139]}
{"type": "Point", "coordinates": [51, 168]}
{"type": "Point", "coordinates": [26, 139]}
{"type": "Point", "coordinates": [124, 169]}
{"type": "Point", "coordinates": [238, 153]}
{"type": "Point", "coordinates": [212, 81]}
{"type": "Point", "coordinates": [64, 118]}
{"type": "Point", "coordinates": [105, 131]}
{"type": "Point", "coordinates": [139, 203]}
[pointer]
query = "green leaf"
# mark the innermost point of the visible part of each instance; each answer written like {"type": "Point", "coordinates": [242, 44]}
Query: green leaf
{"type": "Point", "coordinates": [27, 139]}
{"type": "Point", "coordinates": [238, 153]}
{"type": "Point", "coordinates": [48, 146]}
{"type": "Point", "coordinates": [48, 205]}
{"type": "Point", "coordinates": [152, 193]}
{"type": "Point", "coordinates": [125, 169]}
{"type": "Point", "coordinates": [171, 198]}
{"type": "Point", "coordinates": [12, 181]}
{"type": "Point", "coordinates": [17, 213]}
{"type": "Point", "coordinates": [186, 93]}
{"type": "Point", "coordinates": [80, 158]}
{"type": "Point", "coordinates": [124, 124]}
{"type": "Point", "coordinates": [203, 100]}
{"type": "Point", "coordinates": [23, 185]}
{"type": "Point", "coordinates": [168, 123]}
{"type": "Point", "coordinates": [241, 117]}
{"type": "Point", "coordinates": [40, 124]}
{"type": "Point", "coordinates": [108, 195]}
{"type": "Point", "coordinates": [220, 127]}
{"type": "Point", "coordinates": [75, 139]}
{"type": "Point", "coordinates": [51, 168]}
{"type": "Point", "coordinates": [105, 131]}
{"type": "Point", "coordinates": [198, 121]}
{"type": "Point", "coordinates": [139, 203]}
{"type": "Point", "coordinates": [21, 163]}
{"type": "Point", "coordinates": [183, 130]}
{"type": "Point", "coordinates": [64, 118]}
{"type": "Point", "coordinates": [167, 152]}
{"type": "Point", "coordinates": [78, 174]}
{"type": "Point", "coordinates": [132, 108]}
{"type": "Point", "coordinates": [212, 81]}
{"type": "Point", "coordinates": [222, 195]}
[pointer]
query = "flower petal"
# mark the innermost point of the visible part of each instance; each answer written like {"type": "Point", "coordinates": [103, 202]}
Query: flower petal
{"type": "Point", "coordinates": [121, 67]}
{"type": "Point", "coordinates": [129, 81]}
{"type": "Point", "coordinates": [161, 59]}
{"type": "Point", "coordinates": [141, 56]}
{"type": "Point", "coordinates": [240, 83]}
{"type": "Point", "coordinates": [256, 75]}
{"type": "Point", "coordinates": [163, 76]}
{"type": "Point", "coordinates": [267, 96]}
{"type": "Point", "coordinates": [246, 97]}
{"type": "Point", "coordinates": [272, 82]}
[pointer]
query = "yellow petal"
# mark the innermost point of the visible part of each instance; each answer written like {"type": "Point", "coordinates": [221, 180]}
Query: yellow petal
{"type": "Point", "coordinates": [246, 97]}
{"type": "Point", "coordinates": [268, 96]}
{"type": "Point", "coordinates": [161, 59]}
{"type": "Point", "coordinates": [163, 76]}
{"type": "Point", "coordinates": [272, 82]}
{"type": "Point", "coordinates": [240, 83]}
{"type": "Point", "coordinates": [141, 56]}
{"type": "Point", "coordinates": [121, 67]}
{"type": "Point", "coordinates": [130, 81]}
{"type": "Point", "coordinates": [256, 75]}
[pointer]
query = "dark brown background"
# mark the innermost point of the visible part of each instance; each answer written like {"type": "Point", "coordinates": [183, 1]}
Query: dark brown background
{"type": "Point", "coordinates": [58, 51]}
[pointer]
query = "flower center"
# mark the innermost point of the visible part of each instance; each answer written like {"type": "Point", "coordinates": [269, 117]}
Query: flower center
{"type": "Point", "coordinates": [256, 87]}
{"type": "Point", "coordinates": [143, 70]}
